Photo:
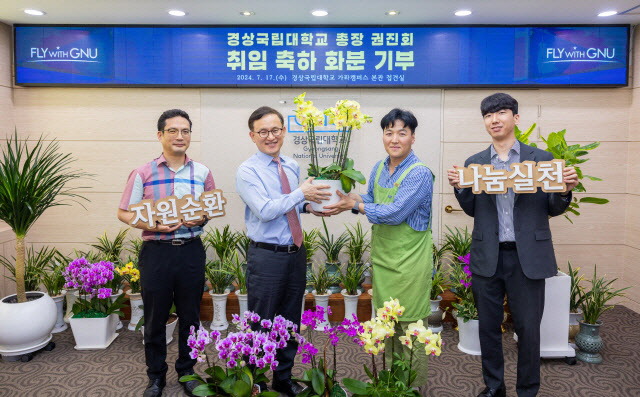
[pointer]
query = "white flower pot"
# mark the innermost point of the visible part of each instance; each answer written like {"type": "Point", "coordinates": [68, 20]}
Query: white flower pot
{"type": "Point", "coordinates": [26, 327]}
{"type": "Point", "coordinates": [61, 325]}
{"type": "Point", "coordinates": [435, 318]}
{"type": "Point", "coordinates": [72, 297]}
{"type": "Point", "coordinates": [334, 185]}
{"type": "Point", "coordinates": [350, 304]}
{"type": "Point", "coordinates": [322, 301]}
{"type": "Point", "coordinates": [219, 322]}
{"type": "Point", "coordinates": [574, 325]}
{"type": "Point", "coordinates": [94, 333]}
{"type": "Point", "coordinates": [136, 310]}
{"type": "Point", "coordinates": [169, 328]}
{"type": "Point", "coordinates": [373, 307]}
{"type": "Point", "coordinates": [113, 299]}
{"type": "Point", "coordinates": [469, 336]}
{"type": "Point", "coordinates": [243, 302]}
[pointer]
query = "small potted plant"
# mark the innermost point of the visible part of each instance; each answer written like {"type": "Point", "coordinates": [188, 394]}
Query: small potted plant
{"type": "Point", "coordinates": [467, 313]}
{"type": "Point", "coordinates": [242, 246]}
{"type": "Point", "coordinates": [439, 283]}
{"type": "Point", "coordinates": [94, 317]}
{"type": "Point", "coordinates": [311, 246]}
{"type": "Point", "coordinates": [53, 280]}
{"type": "Point", "coordinates": [232, 377]}
{"type": "Point", "coordinates": [321, 280]}
{"type": "Point", "coordinates": [239, 271]}
{"type": "Point", "coordinates": [357, 247]}
{"type": "Point", "coordinates": [110, 250]}
{"type": "Point", "coordinates": [218, 274]}
{"type": "Point", "coordinates": [351, 279]}
{"type": "Point", "coordinates": [331, 248]}
{"type": "Point", "coordinates": [170, 326]}
{"type": "Point", "coordinates": [224, 242]}
{"type": "Point", "coordinates": [576, 297]}
{"type": "Point", "coordinates": [593, 304]}
{"type": "Point", "coordinates": [131, 274]}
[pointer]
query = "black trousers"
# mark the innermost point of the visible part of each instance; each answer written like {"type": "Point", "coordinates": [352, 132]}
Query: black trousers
{"type": "Point", "coordinates": [526, 303]}
{"type": "Point", "coordinates": [275, 285]}
{"type": "Point", "coordinates": [170, 273]}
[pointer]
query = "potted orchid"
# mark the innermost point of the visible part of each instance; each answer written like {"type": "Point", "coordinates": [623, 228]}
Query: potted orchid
{"type": "Point", "coordinates": [466, 311]}
{"type": "Point", "coordinates": [131, 274]}
{"type": "Point", "coordinates": [95, 316]}
{"type": "Point", "coordinates": [234, 377]}
{"type": "Point", "coordinates": [397, 380]}
{"type": "Point", "coordinates": [346, 116]}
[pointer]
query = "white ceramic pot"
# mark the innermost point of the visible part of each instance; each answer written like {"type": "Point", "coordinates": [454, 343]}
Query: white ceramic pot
{"type": "Point", "coordinates": [72, 296]}
{"type": "Point", "coordinates": [350, 304]}
{"type": "Point", "coordinates": [219, 322]}
{"type": "Point", "coordinates": [333, 186]}
{"type": "Point", "coordinates": [435, 318]}
{"type": "Point", "coordinates": [169, 328]}
{"type": "Point", "coordinates": [469, 336]}
{"type": "Point", "coordinates": [113, 299]}
{"type": "Point", "coordinates": [373, 307]}
{"type": "Point", "coordinates": [26, 327]}
{"type": "Point", "coordinates": [61, 325]}
{"type": "Point", "coordinates": [322, 301]}
{"type": "Point", "coordinates": [94, 333]}
{"type": "Point", "coordinates": [574, 325]}
{"type": "Point", "coordinates": [243, 302]}
{"type": "Point", "coordinates": [137, 311]}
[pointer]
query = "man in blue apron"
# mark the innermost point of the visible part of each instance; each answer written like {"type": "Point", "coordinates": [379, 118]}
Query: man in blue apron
{"type": "Point", "coordinates": [398, 204]}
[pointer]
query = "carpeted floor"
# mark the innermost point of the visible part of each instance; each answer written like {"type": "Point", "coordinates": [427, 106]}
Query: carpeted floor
{"type": "Point", "coordinates": [120, 370]}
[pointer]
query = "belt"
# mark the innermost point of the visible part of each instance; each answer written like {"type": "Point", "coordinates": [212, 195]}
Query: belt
{"type": "Point", "coordinates": [176, 241]}
{"type": "Point", "coordinates": [508, 245]}
{"type": "Point", "coordinates": [276, 248]}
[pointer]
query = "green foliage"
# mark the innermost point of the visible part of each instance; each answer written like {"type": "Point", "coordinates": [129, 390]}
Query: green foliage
{"type": "Point", "coordinates": [330, 246]}
{"type": "Point", "coordinates": [352, 277]}
{"type": "Point", "coordinates": [223, 242]}
{"type": "Point", "coordinates": [573, 155]}
{"type": "Point", "coordinates": [593, 304]}
{"type": "Point", "coordinates": [439, 283]}
{"type": "Point", "coordinates": [36, 263]}
{"type": "Point", "coordinates": [318, 384]}
{"type": "Point", "coordinates": [110, 250]}
{"type": "Point", "coordinates": [358, 243]}
{"type": "Point", "coordinates": [86, 307]}
{"type": "Point", "coordinates": [392, 382]}
{"type": "Point", "coordinates": [239, 272]}
{"type": "Point", "coordinates": [53, 278]}
{"type": "Point", "coordinates": [321, 280]}
{"type": "Point", "coordinates": [233, 382]}
{"type": "Point", "coordinates": [458, 242]}
{"type": "Point", "coordinates": [310, 242]}
{"type": "Point", "coordinates": [576, 296]}
{"type": "Point", "coordinates": [242, 244]}
{"type": "Point", "coordinates": [439, 254]}
{"type": "Point", "coordinates": [140, 323]}
{"type": "Point", "coordinates": [218, 274]}
{"type": "Point", "coordinates": [134, 247]}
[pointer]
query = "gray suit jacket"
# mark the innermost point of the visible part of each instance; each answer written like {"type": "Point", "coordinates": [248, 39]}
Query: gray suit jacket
{"type": "Point", "coordinates": [531, 212]}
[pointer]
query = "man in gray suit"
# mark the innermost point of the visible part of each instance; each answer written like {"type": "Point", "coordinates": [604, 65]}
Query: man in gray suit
{"type": "Point", "coordinates": [511, 250]}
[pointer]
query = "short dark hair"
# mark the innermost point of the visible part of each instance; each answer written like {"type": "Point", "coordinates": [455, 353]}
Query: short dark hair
{"type": "Point", "coordinates": [498, 101]}
{"type": "Point", "coordinates": [405, 116]}
{"type": "Point", "coordinates": [169, 114]}
{"type": "Point", "coordinates": [261, 112]}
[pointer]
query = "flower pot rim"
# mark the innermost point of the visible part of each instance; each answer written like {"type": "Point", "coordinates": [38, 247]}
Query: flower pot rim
{"type": "Point", "coordinates": [316, 294]}
{"type": "Point", "coordinates": [226, 292]}
{"type": "Point", "coordinates": [436, 300]}
{"type": "Point", "coordinates": [579, 311]}
{"type": "Point", "coordinates": [343, 293]}
{"type": "Point", "coordinates": [27, 293]}
{"type": "Point", "coordinates": [597, 324]}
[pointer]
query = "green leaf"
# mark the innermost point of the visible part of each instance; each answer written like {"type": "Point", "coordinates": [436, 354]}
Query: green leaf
{"type": "Point", "coordinates": [204, 390]}
{"type": "Point", "coordinates": [348, 164]}
{"type": "Point", "coordinates": [355, 386]}
{"type": "Point", "coordinates": [227, 385]}
{"type": "Point", "coordinates": [593, 178]}
{"type": "Point", "coordinates": [269, 394]}
{"type": "Point", "coordinates": [368, 372]}
{"type": "Point", "coordinates": [187, 378]}
{"type": "Point", "coordinates": [590, 146]}
{"type": "Point", "coordinates": [593, 200]}
{"type": "Point", "coordinates": [332, 167]}
{"type": "Point", "coordinates": [355, 175]}
{"type": "Point", "coordinates": [241, 389]}
{"type": "Point", "coordinates": [317, 379]}
{"type": "Point", "coordinates": [346, 182]}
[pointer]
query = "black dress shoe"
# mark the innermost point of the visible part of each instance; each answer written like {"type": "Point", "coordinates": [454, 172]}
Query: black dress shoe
{"type": "Point", "coordinates": [286, 387]}
{"type": "Point", "coordinates": [154, 388]}
{"type": "Point", "coordinates": [488, 392]}
{"type": "Point", "coordinates": [189, 385]}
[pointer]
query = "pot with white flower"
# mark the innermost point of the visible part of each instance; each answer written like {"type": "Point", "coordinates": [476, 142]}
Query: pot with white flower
{"type": "Point", "coordinates": [321, 280]}
{"type": "Point", "coordinates": [351, 279]}
{"type": "Point", "coordinates": [218, 274]}
{"type": "Point", "coordinates": [94, 317]}
{"type": "Point", "coordinates": [340, 175]}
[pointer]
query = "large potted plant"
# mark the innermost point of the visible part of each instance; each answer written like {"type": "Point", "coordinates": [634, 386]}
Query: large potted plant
{"type": "Point", "coordinates": [332, 247]}
{"type": "Point", "coordinates": [339, 175]}
{"type": "Point", "coordinates": [218, 274]}
{"type": "Point", "coordinates": [593, 304]}
{"type": "Point", "coordinates": [32, 180]}
{"type": "Point", "coordinates": [95, 316]}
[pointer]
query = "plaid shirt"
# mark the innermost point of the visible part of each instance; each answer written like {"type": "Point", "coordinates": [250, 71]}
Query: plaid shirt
{"type": "Point", "coordinates": [155, 180]}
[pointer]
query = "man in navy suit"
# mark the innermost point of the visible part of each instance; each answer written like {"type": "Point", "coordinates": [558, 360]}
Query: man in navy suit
{"type": "Point", "coordinates": [511, 249]}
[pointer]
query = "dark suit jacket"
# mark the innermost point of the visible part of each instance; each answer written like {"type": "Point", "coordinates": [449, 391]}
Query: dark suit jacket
{"type": "Point", "coordinates": [531, 212]}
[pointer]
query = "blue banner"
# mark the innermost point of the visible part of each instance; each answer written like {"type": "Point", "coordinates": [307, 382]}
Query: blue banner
{"type": "Point", "coordinates": [277, 56]}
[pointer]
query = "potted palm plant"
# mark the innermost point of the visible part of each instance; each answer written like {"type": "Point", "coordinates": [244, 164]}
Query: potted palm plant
{"type": "Point", "coordinates": [339, 175]}
{"type": "Point", "coordinates": [218, 274]}
{"type": "Point", "coordinates": [576, 297]}
{"type": "Point", "coordinates": [331, 248]}
{"type": "Point", "coordinates": [351, 279]}
{"type": "Point", "coordinates": [53, 280]}
{"type": "Point", "coordinates": [32, 180]}
{"type": "Point", "coordinates": [321, 280]}
{"type": "Point", "coordinates": [593, 304]}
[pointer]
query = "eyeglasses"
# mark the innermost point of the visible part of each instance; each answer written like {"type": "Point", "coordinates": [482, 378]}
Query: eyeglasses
{"type": "Point", "coordinates": [174, 132]}
{"type": "Point", "coordinates": [276, 132]}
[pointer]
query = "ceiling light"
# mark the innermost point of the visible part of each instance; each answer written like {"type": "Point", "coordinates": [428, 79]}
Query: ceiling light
{"type": "Point", "coordinates": [34, 12]}
{"type": "Point", "coordinates": [607, 13]}
{"type": "Point", "coordinates": [177, 13]}
{"type": "Point", "coordinates": [319, 13]}
{"type": "Point", "coordinates": [462, 13]}
{"type": "Point", "coordinates": [392, 13]}
{"type": "Point", "coordinates": [247, 13]}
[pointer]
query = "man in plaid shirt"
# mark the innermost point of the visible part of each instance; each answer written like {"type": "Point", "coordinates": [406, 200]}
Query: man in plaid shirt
{"type": "Point", "coordinates": [172, 258]}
